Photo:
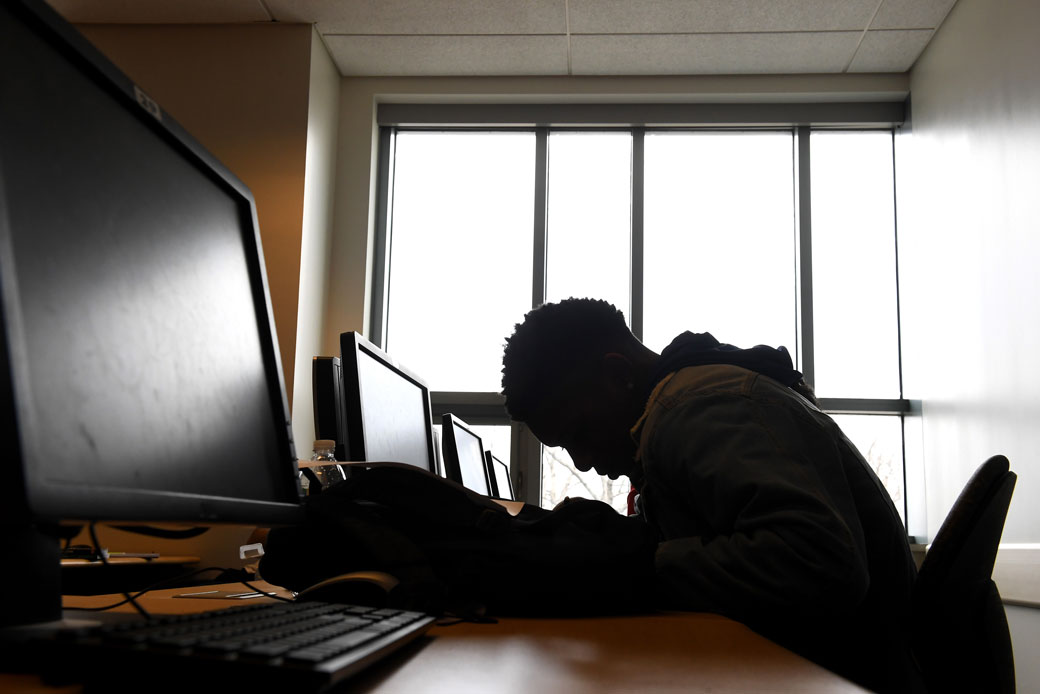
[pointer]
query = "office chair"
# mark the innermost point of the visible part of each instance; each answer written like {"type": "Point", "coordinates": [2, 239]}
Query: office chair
{"type": "Point", "coordinates": [960, 632]}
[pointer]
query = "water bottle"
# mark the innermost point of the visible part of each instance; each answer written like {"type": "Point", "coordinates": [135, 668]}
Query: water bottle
{"type": "Point", "coordinates": [328, 473]}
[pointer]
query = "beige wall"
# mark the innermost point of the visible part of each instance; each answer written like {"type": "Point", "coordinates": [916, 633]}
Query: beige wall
{"type": "Point", "coordinates": [242, 91]}
{"type": "Point", "coordinates": [316, 242]}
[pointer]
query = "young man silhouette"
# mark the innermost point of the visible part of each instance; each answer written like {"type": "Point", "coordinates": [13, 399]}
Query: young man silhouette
{"type": "Point", "coordinates": [764, 510]}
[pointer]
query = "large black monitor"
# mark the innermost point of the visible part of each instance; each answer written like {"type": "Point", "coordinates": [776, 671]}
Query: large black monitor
{"type": "Point", "coordinates": [464, 455]}
{"type": "Point", "coordinates": [387, 407]}
{"type": "Point", "coordinates": [139, 370]}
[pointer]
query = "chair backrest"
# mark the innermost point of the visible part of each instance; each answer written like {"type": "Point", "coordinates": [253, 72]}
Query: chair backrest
{"type": "Point", "coordinates": [961, 638]}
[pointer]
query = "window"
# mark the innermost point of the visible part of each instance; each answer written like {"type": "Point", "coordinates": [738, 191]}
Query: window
{"type": "Point", "coordinates": [588, 217]}
{"type": "Point", "coordinates": [790, 229]}
{"type": "Point", "coordinates": [720, 202]}
{"type": "Point", "coordinates": [463, 205]}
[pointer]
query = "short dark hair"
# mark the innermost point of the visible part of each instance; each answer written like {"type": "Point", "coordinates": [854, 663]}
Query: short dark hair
{"type": "Point", "coordinates": [553, 341]}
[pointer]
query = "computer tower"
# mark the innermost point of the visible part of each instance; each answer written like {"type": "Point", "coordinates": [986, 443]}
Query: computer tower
{"type": "Point", "coordinates": [330, 419]}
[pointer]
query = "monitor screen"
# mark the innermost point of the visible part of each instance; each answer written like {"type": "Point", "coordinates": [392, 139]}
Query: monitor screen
{"type": "Point", "coordinates": [388, 407]}
{"type": "Point", "coordinates": [139, 374]}
{"type": "Point", "coordinates": [464, 455]}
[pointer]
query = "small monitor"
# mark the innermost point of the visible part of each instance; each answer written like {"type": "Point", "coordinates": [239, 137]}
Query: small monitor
{"type": "Point", "coordinates": [387, 407]}
{"type": "Point", "coordinates": [464, 455]}
{"type": "Point", "coordinates": [498, 474]}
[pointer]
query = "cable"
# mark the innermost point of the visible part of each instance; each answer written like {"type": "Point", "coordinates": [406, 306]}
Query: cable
{"type": "Point", "coordinates": [104, 560]}
{"type": "Point", "coordinates": [152, 587]}
{"type": "Point", "coordinates": [253, 588]}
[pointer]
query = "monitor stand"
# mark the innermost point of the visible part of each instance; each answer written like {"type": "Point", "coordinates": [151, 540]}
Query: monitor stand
{"type": "Point", "coordinates": [30, 584]}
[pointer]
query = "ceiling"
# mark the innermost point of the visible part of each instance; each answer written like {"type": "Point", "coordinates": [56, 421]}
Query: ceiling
{"type": "Point", "coordinates": [574, 37]}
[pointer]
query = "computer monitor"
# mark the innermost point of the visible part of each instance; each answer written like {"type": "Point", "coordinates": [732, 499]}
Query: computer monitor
{"type": "Point", "coordinates": [464, 455]}
{"type": "Point", "coordinates": [139, 371]}
{"type": "Point", "coordinates": [387, 407]}
{"type": "Point", "coordinates": [498, 474]}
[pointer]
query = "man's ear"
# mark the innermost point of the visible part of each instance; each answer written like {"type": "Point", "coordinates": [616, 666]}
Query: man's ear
{"type": "Point", "coordinates": [618, 373]}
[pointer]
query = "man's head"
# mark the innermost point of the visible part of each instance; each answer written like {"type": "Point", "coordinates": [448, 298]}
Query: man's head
{"type": "Point", "coordinates": [575, 374]}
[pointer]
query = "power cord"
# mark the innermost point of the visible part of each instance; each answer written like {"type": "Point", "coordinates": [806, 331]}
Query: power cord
{"type": "Point", "coordinates": [253, 588]}
{"type": "Point", "coordinates": [154, 586]}
{"type": "Point", "coordinates": [174, 579]}
{"type": "Point", "coordinates": [104, 560]}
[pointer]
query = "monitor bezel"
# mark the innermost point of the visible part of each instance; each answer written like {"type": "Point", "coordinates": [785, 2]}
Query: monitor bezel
{"type": "Point", "coordinates": [450, 423]}
{"type": "Point", "coordinates": [492, 461]}
{"type": "Point", "coordinates": [353, 344]}
{"type": "Point", "coordinates": [19, 501]}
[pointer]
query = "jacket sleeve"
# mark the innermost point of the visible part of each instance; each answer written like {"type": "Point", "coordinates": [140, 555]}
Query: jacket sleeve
{"type": "Point", "coordinates": [774, 527]}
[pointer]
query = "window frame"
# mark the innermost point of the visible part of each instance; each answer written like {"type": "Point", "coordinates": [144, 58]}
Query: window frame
{"type": "Point", "coordinates": [798, 118]}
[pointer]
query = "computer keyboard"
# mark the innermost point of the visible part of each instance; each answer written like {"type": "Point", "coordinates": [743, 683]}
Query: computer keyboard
{"type": "Point", "coordinates": [308, 646]}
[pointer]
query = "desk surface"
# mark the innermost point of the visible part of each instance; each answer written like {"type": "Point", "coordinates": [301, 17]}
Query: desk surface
{"type": "Point", "coordinates": [680, 652]}
{"type": "Point", "coordinates": [128, 561]}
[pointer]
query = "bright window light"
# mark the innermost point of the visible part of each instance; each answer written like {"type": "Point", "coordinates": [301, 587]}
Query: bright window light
{"type": "Point", "coordinates": [720, 238]}
{"type": "Point", "coordinates": [461, 243]}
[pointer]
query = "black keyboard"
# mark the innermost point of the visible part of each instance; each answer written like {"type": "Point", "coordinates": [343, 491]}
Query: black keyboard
{"type": "Point", "coordinates": [308, 646]}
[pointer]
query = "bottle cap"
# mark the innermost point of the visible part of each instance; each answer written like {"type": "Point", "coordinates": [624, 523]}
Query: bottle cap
{"type": "Point", "coordinates": [324, 443]}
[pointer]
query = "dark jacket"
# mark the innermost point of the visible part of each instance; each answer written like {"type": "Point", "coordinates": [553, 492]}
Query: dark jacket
{"type": "Point", "coordinates": [769, 515]}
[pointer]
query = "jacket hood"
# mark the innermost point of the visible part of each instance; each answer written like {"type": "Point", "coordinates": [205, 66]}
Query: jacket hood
{"type": "Point", "coordinates": [699, 349]}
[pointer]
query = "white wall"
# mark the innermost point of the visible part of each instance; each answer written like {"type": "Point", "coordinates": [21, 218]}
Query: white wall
{"type": "Point", "coordinates": [970, 289]}
{"type": "Point", "coordinates": [969, 251]}
{"type": "Point", "coordinates": [316, 240]}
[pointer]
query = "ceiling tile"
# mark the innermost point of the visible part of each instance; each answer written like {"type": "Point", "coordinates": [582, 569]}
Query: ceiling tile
{"type": "Point", "coordinates": [890, 51]}
{"type": "Point", "coordinates": [912, 14]}
{"type": "Point", "coordinates": [710, 16]}
{"type": "Point", "coordinates": [706, 54]}
{"type": "Point", "coordinates": [425, 56]}
{"type": "Point", "coordinates": [426, 16]}
{"type": "Point", "coordinates": [161, 11]}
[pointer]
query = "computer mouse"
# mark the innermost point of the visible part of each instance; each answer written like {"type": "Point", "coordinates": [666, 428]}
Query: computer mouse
{"type": "Point", "coordinates": [370, 588]}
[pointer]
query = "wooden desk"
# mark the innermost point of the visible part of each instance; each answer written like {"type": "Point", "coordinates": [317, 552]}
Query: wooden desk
{"type": "Point", "coordinates": [86, 577]}
{"type": "Point", "coordinates": [673, 652]}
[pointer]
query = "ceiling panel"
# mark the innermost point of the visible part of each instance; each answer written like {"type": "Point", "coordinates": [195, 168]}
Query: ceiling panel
{"type": "Point", "coordinates": [890, 51]}
{"type": "Point", "coordinates": [389, 56]}
{"type": "Point", "coordinates": [707, 16]}
{"type": "Point", "coordinates": [426, 16]}
{"type": "Point", "coordinates": [606, 37]}
{"type": "Point", "coordinates": [699, 54]}
{"type": "Point", "coordinates": [161, 12]}
{"type": "Point", "coordinates": [912, 14]}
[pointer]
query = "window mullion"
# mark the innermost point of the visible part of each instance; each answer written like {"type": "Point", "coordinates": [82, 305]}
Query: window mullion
{"type": "Point", "coordinates": [803, 191]}
{"type": "Point", "coordinates": [526, 454]}
{"type": "Point", "coordinates": [541, 183]}
{"type": "Point", "coordinates": [636, 279]}
{"type": "Point", "coordinates": [379, 307]}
